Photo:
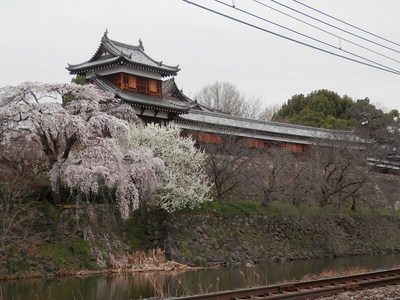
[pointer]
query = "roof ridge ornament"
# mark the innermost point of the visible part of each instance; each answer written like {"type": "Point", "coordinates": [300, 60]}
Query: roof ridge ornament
{"type": "Point", "coordinates": [105, 37]}
{"type": "Point", "coordinates": [141, 45]}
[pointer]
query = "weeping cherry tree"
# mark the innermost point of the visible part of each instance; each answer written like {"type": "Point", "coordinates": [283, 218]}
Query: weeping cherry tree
{"type": "Point", "coordinates": [79, 133]}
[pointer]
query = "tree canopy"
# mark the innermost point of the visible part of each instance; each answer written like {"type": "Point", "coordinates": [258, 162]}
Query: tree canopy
{"type": "Point", "coordinates": [326, 109]}
{"type": "Point", "coordinates": [321, 108]}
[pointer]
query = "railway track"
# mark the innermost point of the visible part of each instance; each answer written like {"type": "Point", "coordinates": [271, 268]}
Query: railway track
{"type": "Point", "coordinates": [308, 289]}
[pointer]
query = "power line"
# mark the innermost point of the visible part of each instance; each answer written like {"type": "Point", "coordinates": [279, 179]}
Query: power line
{"type": "Point", "coordinates": [338, 28]}
{"type": "Point", "coordinates": [290, 39]}
{"type": "Point", "coordinates": [326, 31]}
{"type": "Point", "coordinates": [304, 35]}
{"type": "Point", "coordinates": [344, 22]}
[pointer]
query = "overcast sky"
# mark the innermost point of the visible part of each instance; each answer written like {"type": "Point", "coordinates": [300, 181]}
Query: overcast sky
{"type": "Point", "coordinates": [39, 38]}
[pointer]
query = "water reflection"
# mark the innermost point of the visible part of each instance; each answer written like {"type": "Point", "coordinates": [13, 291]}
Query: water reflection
{"type": "Point", "coordinates": [142, 285]}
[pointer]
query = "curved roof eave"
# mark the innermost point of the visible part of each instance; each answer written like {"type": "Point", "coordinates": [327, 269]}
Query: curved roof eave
{"type": "Point", "coordinates": [117, 60]}
{"type": "Point", "coordinates": [112, 47]}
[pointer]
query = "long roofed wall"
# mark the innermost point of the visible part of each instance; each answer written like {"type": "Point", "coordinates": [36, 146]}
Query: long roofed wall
{"type": "Point", "coordinates": [129, 73]}
{"type": "Point", "coordinates": [211, 127]}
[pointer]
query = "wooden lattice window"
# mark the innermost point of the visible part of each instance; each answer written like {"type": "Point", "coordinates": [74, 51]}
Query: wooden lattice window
{"type": "Point", "coordinates": [132, 83]}
{"type": "Point", "coordinates": [153, 86]}
{"type": "Point", "coordinates": [125, 81]}
{"type": "Point", "coordinates": [143, 85]}
{"type": "Point", "coordinates": [118, 80]}
{"type": "Point", "coordinates": [137, 84]}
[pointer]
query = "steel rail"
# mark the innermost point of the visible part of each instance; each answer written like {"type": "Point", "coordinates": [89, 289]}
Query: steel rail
{"type": "Point", "coordinates": [307, 289]}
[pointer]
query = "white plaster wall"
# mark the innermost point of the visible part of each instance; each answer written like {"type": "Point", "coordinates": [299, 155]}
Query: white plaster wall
{"type": "Point", "coordinates": [151, 113]}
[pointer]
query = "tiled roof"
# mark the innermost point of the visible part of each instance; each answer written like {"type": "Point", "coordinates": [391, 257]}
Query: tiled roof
{"type": "Point", "coordinates": [95, 64]}
{"type": "Point", "coordinates": [119, 53]}
{"type": "Point", "coordinates": [142, 100]}
{"type": "Point", "coordinates": [227, 124]}
{"type": "Point", "coordinates": [171, 90]}
{"type": "Point", "coordinates": [172, 93]}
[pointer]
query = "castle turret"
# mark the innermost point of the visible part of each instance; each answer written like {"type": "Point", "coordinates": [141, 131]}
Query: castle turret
{"type": "Point", "coordinates": [133, 76]}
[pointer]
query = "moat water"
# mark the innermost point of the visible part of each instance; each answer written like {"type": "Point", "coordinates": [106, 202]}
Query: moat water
{"type": "Point", "coordinates": [163, 284]}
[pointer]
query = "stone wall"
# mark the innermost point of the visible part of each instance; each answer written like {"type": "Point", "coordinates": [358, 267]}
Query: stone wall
{"type": "Point", "coordinates": [212, 239]}
{"type": "Point", "coordinates": [60, 240]}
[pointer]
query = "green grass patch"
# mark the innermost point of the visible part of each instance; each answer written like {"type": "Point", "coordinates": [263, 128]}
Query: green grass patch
{"type": "Point", "coordinates": [283, 209]}
{"type": "Point", "coordinates": [14, 261]}
{"type": "Point", "coordinates": [231, 208]}
{"type": "Point", "coordinates": [18, 266]}
{"type": "Point", "coordinates": [200, 262]}
{"type": "Point", "coordinates": [71, 254]}
{"type": "Point", "coordinates": [184, 249]}
{"type": "Point", "coordinates": [248, 208]}
{"type": "Point", "coordinates": [366, 211]}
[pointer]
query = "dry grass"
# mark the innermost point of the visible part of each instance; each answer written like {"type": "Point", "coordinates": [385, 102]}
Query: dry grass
{"type": "Point", "coordinates": [139, 261]}
{"type": "Point", "coordinates": [154, 260]}
{"type": "Point", "coordinates": [335, 273]}
{"type": "Point", "coordinates": [153, 256]}
{"type": "Point", "coordinates": [251, 278]}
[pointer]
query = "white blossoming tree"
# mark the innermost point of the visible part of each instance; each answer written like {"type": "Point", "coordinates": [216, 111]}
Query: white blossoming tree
{"type": "Point", "coordinates": [183, 182]}
{"type": "Point", "coordinates": [78, 131]}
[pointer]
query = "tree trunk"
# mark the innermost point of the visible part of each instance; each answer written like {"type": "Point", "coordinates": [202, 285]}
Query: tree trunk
{"type": "Point", "coordinates": [353, 205]}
